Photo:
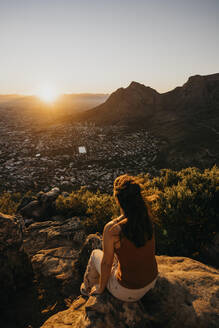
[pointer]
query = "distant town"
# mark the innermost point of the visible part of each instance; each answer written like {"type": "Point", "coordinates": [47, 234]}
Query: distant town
{"type": "Point", "coordinates": [69, 155]}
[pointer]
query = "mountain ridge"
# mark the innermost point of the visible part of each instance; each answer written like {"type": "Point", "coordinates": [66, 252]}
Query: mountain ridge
{"type": "Point", "coordinates": [137, 93]}
{"type": "Point", "coordinates": [186, 118]}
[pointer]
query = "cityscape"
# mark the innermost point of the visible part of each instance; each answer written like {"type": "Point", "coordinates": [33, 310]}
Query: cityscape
{"type": "Point", "coordinates": [70, 155]}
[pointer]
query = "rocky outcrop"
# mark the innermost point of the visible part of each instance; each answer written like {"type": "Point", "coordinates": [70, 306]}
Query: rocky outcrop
{"type": "Point", "coordinates": [186, 295]}
{"type": "Point", "coordinates": [53, 247]}
{"type": "Point", "coordinates": [41, 208]}
{"type": "Point", "coordinates": [97, 312]}
{"type": "Point", "coordinates": [15, 268]}
{"type": "Point", "coordinates": [56, 263]}
{"type": "Point", "coordinates": [56, 232]}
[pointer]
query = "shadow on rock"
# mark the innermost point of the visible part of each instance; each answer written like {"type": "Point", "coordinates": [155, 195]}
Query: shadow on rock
{"type": "Point", "coordinates": [41, 208]}
{"type": "Point", "coordinates": [185, 295]}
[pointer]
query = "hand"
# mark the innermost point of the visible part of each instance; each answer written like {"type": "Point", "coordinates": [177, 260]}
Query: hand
{"type": "Point", "coordinates": [95, 290]}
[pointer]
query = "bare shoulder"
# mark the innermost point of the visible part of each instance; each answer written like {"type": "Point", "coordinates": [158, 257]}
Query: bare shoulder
{"type": "Point", "coordinates": [113, 227]}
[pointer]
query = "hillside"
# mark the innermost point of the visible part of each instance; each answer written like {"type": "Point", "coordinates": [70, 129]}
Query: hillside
{"type": "Point", "coordinates": [185, 119]}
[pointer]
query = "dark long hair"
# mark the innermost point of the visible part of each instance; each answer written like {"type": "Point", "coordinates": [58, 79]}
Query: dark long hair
{"type": "Point", "coordinates": [138, 228]}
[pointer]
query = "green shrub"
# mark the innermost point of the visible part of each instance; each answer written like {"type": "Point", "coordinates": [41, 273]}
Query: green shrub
{"type": "Point", "coordinates": [9, 202]}
{"type": "Point", "coordinates": [187, 208]}
{"type": "Point", "coordinates": [74, 204]}
{"type": "Point", "coordinates": [101, 208]}
{"type": "Point", "coordinates": [96, 207]}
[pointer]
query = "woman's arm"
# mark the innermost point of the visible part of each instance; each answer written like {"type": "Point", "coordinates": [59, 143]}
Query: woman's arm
{"type": "Point", "coordinates": [107, 261]}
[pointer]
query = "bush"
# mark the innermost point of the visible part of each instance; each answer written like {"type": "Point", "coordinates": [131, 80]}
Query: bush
{"type": "Point", "coordinates": [74, 204]}
{"type": "Point", "coordinates": [9, 202]}
{"type": "Point", "coordinates": [101, 208]}
{"type": "Point", "coordinates": [96, 207]}
{"type": "Point", "coordinates": [187, 208]}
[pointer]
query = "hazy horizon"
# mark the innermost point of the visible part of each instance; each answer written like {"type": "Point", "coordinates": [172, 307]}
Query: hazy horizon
{"type": "Point", "coordinates": [97, 47]}
{"type": "Point", "coordinates": [92, 93]}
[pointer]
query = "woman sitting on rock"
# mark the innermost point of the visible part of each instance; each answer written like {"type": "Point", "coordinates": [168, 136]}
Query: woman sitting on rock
{"type": "Point", "coordinates": [127, 265]}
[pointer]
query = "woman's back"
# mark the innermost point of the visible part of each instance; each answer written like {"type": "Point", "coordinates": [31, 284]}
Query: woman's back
{"type": "Point", "coordinates": [137, 266]}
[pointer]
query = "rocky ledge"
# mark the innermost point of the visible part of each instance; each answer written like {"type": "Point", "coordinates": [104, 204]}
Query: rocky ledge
{"type": "Point", "coordinates": [15, 267]}
{"type": "Point", "coordinates": [186, 295]}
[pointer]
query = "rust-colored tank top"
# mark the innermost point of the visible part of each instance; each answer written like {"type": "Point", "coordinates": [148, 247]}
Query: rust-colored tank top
{"type": "Point", "coordinates": [137, 267]}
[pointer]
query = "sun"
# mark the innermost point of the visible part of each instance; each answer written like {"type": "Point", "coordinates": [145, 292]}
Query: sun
{"type": "Point", "coordinates": [47, 94]}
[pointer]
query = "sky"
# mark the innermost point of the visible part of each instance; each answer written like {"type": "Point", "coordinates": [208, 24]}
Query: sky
{"type": "Point", "coordinates": [97, 46]}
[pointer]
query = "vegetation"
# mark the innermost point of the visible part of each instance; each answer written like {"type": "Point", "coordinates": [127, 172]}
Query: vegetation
{"type": "Point", "coordinates": [97, 208]}
{"type": "Point", "coordinates": [9, 202]}
{"type": "Point", "coordinates": [185, 208]}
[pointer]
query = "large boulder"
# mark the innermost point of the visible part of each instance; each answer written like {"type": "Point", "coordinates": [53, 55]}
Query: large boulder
{"type": "Point", "coordinates": [15, 267]}
{"type": "Point", "coordinates": [41, 208]}
{"type": "Point", "coordinates": [186, 295]}
{"type": "Point", "coordinates": [53, 247]}
{"type": "Point", "coordinates": [54, 233]}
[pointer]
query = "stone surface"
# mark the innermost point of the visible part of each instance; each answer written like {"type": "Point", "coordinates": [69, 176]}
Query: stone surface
{"type": "Point", "coordinates": [42, 207]}
{"type": "Point", "coordinates": [53, 247]}
{"type": "Point", "coordinates": [186, 295]}
{"type": "Point", "coordinates": [57, 262]}
{"type": "Point", "coordinates": [53, 234]}
{"type": "Point", "coordinates": [15, 267]}
{"type": "Point", "coordinates": [93, 241]}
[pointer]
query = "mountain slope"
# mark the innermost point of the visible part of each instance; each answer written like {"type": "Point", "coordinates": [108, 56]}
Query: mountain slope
{"type": "Point", "coordinates": [125, 104]}
{"type": "Point", "coordinates": [186, 119]}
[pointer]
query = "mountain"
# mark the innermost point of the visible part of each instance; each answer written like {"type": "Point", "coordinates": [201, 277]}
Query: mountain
{"type": "Point", "coordinates": [125, 104]}
{"type": "Point", "coordinates": [185, 119]}
{"type": "Point", "coordinates": [138, 101]}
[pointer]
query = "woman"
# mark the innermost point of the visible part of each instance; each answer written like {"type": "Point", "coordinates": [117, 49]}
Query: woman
{"type": "Point", "coordinates": [127, 265]}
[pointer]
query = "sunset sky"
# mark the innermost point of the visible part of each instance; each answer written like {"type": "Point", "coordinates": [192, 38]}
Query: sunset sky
{"type": "Point", "coordinates": [98, 46]}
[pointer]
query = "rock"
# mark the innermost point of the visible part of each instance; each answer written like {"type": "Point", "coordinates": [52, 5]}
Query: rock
{"type": "Point", "coordinates": [93, 241]}
{"type": "Point", "coordinates": [53, 234]}
{"type": "Point", "coordinates": [53, 247]}
{"type": "Point", "coordinates": [15, 267]}
{"type": "Point", "coordinates": [34, 210]}
{"type": "Point", "coordinates": [25, 200]}
{"type": "Point", "coordinates": [41, 208]}
{"type": "Point", "coordinates": [186, 295]}
{"type": "Point", "coordinates": [57, 263]}
{"type": "Point", "coordinates": [100, 311]}
{"type": "Point", "coordinates": [52, 194]}
{"type": "Point", "coordinates": [211, 251]}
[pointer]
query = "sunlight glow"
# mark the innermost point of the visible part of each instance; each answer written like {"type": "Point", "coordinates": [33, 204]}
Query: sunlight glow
{"type": "Point", "coordinates": [47, 94]}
